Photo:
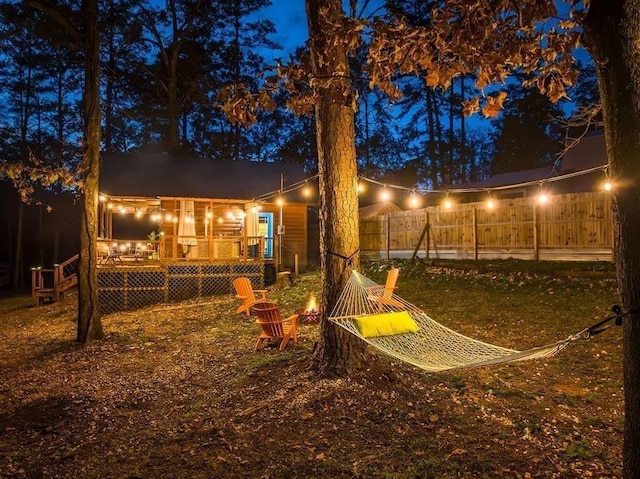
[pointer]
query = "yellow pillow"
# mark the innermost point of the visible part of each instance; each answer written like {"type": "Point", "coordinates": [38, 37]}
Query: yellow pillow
{"type": "Point", "coordinates": [385, 324]}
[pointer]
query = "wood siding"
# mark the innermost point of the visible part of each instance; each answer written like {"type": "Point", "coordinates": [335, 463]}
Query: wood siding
{"type": "Point", "coordinates": [295, 238]}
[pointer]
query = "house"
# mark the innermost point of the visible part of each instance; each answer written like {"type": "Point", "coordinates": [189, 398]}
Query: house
{"type": "Point", "coordinates": [589, 153]}
{"type": "Point", "coordinates": [177, 227]}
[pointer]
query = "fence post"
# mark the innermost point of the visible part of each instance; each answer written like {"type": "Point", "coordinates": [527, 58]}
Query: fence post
{"type": "Point", "coordinates": [388, 235]}
{"type": "Point", "coordinates": [474, 230]}
{"type": "Point", "coordinates": [426, 236]}
{"type": "Point", "coordinates": [535, 232]}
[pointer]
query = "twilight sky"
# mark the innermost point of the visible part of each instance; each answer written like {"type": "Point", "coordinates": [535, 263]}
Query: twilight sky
{"type": "Point", "coordinates": [290, 20]}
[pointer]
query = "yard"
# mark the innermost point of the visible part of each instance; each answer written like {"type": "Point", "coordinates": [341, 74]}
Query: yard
{"type": "Point", "coordinates": [175, 390]}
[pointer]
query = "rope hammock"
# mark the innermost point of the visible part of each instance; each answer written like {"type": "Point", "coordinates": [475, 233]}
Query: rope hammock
{"type": "Point", "coordinates": [401, 330]}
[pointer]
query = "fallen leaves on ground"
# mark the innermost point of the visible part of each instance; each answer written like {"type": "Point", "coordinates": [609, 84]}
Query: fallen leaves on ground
{"type": "Point", "coordinates": [177, 391]}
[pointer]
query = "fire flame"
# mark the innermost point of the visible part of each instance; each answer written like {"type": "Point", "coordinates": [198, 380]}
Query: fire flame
{"type": "Point", "coordinates": [312, 305]}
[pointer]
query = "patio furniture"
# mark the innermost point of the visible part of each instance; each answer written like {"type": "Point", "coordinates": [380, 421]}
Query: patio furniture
{"type": "Point", "coordinates": [382, 296]}
{"type": "Point", "coordinates": [247, 294]}
{"type": "Point", "coordinates": [273, 326]}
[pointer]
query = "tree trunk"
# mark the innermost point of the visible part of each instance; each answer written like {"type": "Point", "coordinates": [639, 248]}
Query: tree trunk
{"type": "Point", "coordinates": [463, 138]}
{"type": "Point", "coordinates": [18, 254]}
{"type": "Point", "coordinates": [338, 352]}
{"type": "Point", "coordinates": [612, 28]}
{"type": "Point", "coordinates": [433, 167]}
{"type": "Point", "coordinates": [173, 109]}
{"type": "Point", "coordinates": [89, 324]}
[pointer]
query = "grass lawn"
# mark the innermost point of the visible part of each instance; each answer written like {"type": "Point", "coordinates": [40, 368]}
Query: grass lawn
{"type": "Point", "coordinates": [176, 390]}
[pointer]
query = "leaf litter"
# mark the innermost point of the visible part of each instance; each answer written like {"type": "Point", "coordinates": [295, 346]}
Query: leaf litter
{"type": "Point", "coordinates": [176, 390]}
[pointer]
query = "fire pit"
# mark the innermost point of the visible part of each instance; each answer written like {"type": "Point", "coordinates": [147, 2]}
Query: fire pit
{"type": "Point", "coordinates": [311, 313]}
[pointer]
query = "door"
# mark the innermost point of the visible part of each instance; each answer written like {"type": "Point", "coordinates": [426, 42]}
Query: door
{"type": "Point", "coordinates": [265, 229]}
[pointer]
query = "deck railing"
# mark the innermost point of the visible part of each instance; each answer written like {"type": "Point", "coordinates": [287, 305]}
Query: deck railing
{"type": "Point", "coordinates": [167, 248]}
{"type": "Point", "coordinates": [49, 284]}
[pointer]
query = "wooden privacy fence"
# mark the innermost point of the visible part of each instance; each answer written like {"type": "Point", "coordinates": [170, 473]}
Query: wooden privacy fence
{"type": "Point", "coordinates": [574, 226]}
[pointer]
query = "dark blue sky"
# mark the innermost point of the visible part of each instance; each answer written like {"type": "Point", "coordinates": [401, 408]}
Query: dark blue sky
{"type": "Point", "coordinates": [290, 21]}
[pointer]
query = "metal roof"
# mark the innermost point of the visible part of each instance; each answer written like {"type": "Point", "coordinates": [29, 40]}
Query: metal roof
{"type": "Point", "coordinates": [589, 152]}
{"type": "Point", "coordinates": [157, 174]}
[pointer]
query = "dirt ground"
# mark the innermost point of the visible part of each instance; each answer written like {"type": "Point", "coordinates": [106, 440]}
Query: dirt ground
{"type": "Point", "coordinates": [176, 391]}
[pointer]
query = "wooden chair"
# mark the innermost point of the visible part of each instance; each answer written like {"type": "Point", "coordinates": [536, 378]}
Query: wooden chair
{"type": "Point", "coordinates": [383, 295]}
{"type": "Point", "coordinates": [247, 294]}
{"type": "Point", "coordinates": [274, 327]}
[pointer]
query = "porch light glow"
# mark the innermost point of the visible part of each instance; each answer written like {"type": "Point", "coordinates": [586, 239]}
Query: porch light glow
{"type": "Point", "coordinates": [279, 201]}
{"type": "Point", "coordinates": [102, 198]}
{"type": "Point", "coordinates": [230, 215]}
{"type": "Point", "coordinates": [122, 210]}
{"type": "Point", "coordinates": [168, 217]}
{"type": "Point", "coordinates": [447, 203]}
{"type": "Point", "coordinates": [361, 187]}
{"type": "Point", "coordinates": [209, 215]}
{"type": "Point", "coordinates": [608, 186]}
{"type": "Point", "coordinates": [110, 205]}
{"type": "Point", "coordinates": [414, 200]}
{"type": "Point", "coordinates": [385, 195]}
{"type": "Point", "coordinates": [306, 191]}
{"type": "Point", "coordinates": [255, 209]}
{"type": "Point", "coordinates": [138, 214]}
{"type": "Point", "coordinates": [543, 198]}
{"type": "Point", "coordinates": [220, 220]}
{"type": "Point", "coordinates": [491, 204]}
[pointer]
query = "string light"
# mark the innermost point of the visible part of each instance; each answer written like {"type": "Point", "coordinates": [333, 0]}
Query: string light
{"type": "Point", "coordinates": [490, 203]}
{"type": "Point", "coordinates": [414, 200]}
{"type": "Point", "coordinates": [385, 194]}
{"type": "Point", "coordinates": [447, 203]}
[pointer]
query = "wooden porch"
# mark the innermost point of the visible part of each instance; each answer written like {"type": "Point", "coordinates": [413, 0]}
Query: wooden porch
{"type": "Point", "coordinates": [138, 231]}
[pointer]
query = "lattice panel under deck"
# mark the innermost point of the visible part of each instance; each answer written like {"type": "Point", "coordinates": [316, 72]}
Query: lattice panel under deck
{"type": "Point", "coordinates": [126, 288]}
